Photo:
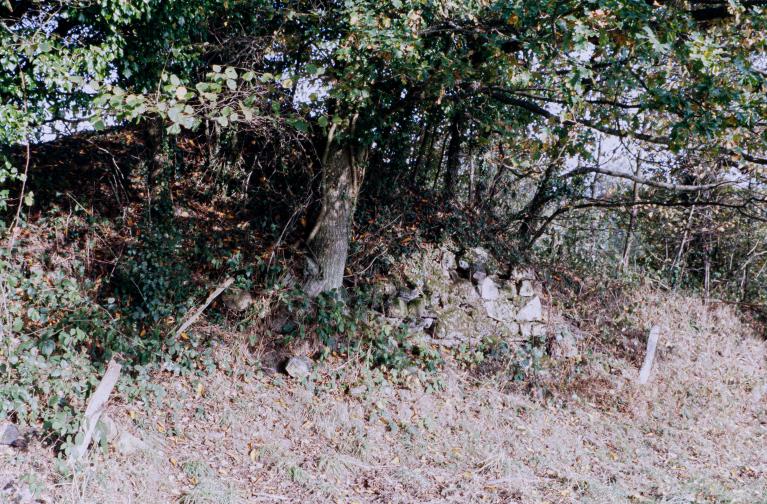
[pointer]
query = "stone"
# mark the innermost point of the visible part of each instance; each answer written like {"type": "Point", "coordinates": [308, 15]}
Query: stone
{"type": "Point", "coordinates": [522, 274]}
{"type": "Point", "coordinates": [9, 434]}
{"type": "Point", "coordinates": [453, 328]}
{"type": "Point", "coordinates": [106, 430]}
{"type": "Point", "coordinates": [466, 292]}
{"type": "Point", "coordinates": [447, 262]}
{"type": "Point", "coordinates": [397, 308]}
{"type": "Point", "coordinates": [513, 327]}
{"type": "Point", "coordinates": [564, 345]}
{"type": "Point", "coordinates": [388, 289]}
{"type": "Point", "coordinates": [488, 290]}
{"type": "Point", "coordinates": [509, 290]}
{"type": "Point", "coordinates": [128, 444]}
{"type": "Point", "coordinates": [499, 310]}
{"type": "Point", "coordinates": [238, 300]}
{"type": "Point", "coordinates": [478, 276]}
{"type": "Point", "coordinates": [298, 367]}
{"type": "Point", "coordinates": [417, 308]}
{"type": "Point", "coordinates": [421, 324]}
{"type": "Point", "coordinates": [526, 288]}
{"type": "Point", "coordinates": [404, 413]}
{"type": "Point", "coordinates": [477, 256]}
{"type": "Point", "coordinates": [532, 311]}
{"type": "Point", "coordinates": [13, 492]}
{"type": "Point", "coordinates": [358, 391]}
{"type": "Point", "coordinates": [408, 295]}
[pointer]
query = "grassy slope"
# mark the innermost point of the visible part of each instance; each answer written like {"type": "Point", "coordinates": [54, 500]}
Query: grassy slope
{"type": "Point", "coordinates": [694, 434]}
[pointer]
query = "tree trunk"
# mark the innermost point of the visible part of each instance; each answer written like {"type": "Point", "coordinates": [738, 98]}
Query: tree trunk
{"type": "Point", "coordinates": [427, 142]}
{"type": "Point", "coordinates": [453, 157]}
{"type": "Point", "coordinates": [630, 231]}
{"type": "Point", "coordinates": [156, 180]}
{"type": "Point", "coordinates": [680, 252]}
{"type": "Point", "coordinates": [328, 242]}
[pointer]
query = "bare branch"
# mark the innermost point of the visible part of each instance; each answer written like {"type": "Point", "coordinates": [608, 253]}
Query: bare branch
{"type": "Point", "coordinates": [648, 182]}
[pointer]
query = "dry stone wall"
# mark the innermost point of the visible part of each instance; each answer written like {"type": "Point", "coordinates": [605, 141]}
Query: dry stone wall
{"type": "Point", "coordinates": [465, 298]}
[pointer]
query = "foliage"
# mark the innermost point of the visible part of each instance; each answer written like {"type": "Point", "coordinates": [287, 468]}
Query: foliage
{"type": "Point", "coordinates": [493, 112]}
{"type": "Point", "coordinates": [51, 335]}
{"type": "Point", "coordinates": [351, 327]}
{"type": "Point", "coordinates": [58, 333]}
{"type": "Point", "coordinates": [151, 279]}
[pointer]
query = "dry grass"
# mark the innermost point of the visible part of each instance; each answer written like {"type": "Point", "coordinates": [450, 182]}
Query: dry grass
{"type": "Point", "coordinates": [694, 434]}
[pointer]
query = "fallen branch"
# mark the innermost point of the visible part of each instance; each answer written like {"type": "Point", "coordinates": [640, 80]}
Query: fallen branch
{"type": "Point", "coordinates": [652, 343]}
{"type": "Point", "coordinates": [95, 407]}
{"type": "Point", "coordinates": [191, 320]}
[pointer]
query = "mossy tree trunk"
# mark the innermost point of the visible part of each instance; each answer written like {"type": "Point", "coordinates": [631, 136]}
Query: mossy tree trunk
{"type": "Point", "coordinates": [328, 243]}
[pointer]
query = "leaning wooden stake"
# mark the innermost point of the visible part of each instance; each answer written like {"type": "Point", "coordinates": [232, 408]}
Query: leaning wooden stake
{"type": "Point", "coordinates": [191, 320]}
{"type": "Point", "coordinates": [652, 343]}
{"type": "Point", "coordinates": [93, 412]}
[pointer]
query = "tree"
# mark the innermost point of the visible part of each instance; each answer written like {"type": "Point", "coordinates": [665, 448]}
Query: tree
{"type": "Point", "coordinates": [545, 79]}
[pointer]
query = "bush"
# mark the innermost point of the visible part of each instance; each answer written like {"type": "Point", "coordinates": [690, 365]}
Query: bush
{"type": "Point", "coordinates": [57, 336]}
{"type": "Point", "coordinates": [152, 279]}
{"type": "Point", "coordinates": [352, 327]}
{"type": "Point", "coordinates": [53, 349]}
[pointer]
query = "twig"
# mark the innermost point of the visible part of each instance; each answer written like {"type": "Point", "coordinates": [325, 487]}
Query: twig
{"type": "Point", "coordinates": [28, 155]}
{"type": "Point", "coordinates": [191, 320]}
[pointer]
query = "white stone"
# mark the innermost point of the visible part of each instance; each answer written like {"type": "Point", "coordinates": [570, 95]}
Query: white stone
{"type": "Point", "coordinates": [447, 262]}
{"type": "Point", "coordinates": [499, 310]}
{"type": "Point", "coordinates": [523, 274]}
{"type": "Point", "coordinates": [9, 434]}
{"type": "Point", "coordinates": [128, 444]}
{"type": "Point", "coordinates": [298, 367]}
{"type": "Point", "coordinates": [466, 292]}
{"type": "Point", "coordinates": [564, 345]}
{"type": "Point", "coordinates": [488, 290]}
{"type": "Point", "coordinates": [531, 312]}
{"type": "Point", "coordinates": [526, 289]}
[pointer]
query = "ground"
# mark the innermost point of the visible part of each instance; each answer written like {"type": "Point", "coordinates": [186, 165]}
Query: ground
{"type": "Point", "coordinates": [584, 432]}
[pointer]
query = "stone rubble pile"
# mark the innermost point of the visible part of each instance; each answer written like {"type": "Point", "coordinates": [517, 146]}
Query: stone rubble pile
{"type": "Point", "coordinates": [465, 299]}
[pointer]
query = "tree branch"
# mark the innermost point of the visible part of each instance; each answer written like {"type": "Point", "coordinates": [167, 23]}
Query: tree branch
{"type": "Point", "coordinates": [647, 182]}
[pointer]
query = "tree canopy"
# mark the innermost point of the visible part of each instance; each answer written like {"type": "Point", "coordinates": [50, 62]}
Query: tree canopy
{"type": "Point", "coordinates": [539, 83]}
